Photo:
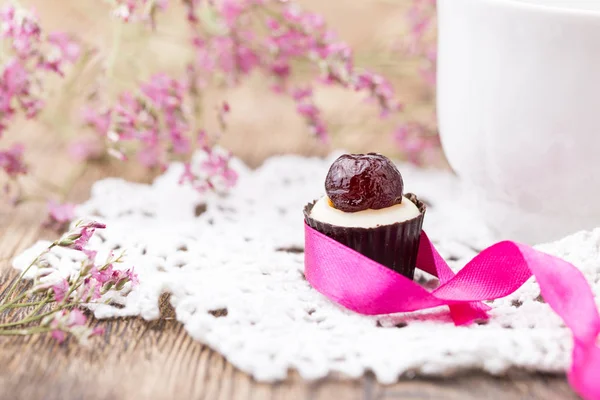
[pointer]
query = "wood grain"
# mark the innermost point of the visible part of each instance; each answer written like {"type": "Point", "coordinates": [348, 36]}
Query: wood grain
{"type": "Point", "coordinates": [157, 360]}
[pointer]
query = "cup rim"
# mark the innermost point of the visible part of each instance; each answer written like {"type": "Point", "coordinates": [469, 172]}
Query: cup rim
{"type": "Point", "coordinates": [547, 8]}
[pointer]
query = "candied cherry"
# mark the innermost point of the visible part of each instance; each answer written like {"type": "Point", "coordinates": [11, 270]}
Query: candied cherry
{"type": "Point", "coordinates": [357, 182]}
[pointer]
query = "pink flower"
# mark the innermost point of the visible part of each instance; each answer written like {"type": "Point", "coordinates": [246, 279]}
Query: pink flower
{"type": "Point", "coordinates": [230, 58]}
{"type": "Point", "coordinates": [29, 57]}
{"type": "Point", "coordinates": [59, 335]}
{"type": "Point", "coordinates": [15, 93]}
{"type": "Point", "coordinates": [83, 239]}
{"type": "Point", "coordinates": [217, 165]}
{"type": "Point", "coordinates": [155, 120]}
{"type": "Point", "coordinates": [231, 10]}
{"type": "Point", "coordinates": [15, 79]}
{"type": "Point", "coordinates": [22, 28]}
{"type": "Point", "coordinates": [187, 175]}
{"type": "Point", "coordinates": [79, 236]}
{"type": "Point", "coordinates": [132, 277]}
{"type": "Point", "coordinates": [11, 161]}
{"type": "Point", "coordinates": [122, 277]}
{"type": "Point", "coordinates": [138, 10]}
{"type": "Point", "coordinates": [90, 255]}
{"type": "Point", "coordinates": [380, 89]}
{"type": "Point", "coordinates": [76, 318]}
{"type": "Point", "coordinates": [98, 120]}
{"type": "Point", "coordinates": [416, 141]}
{"type": "Point", "coordinates": [108, 277]}
{"type": "Point", "coordinates": [68, 321]}
{"type": "Point", "coordinates": [213, 173]}
{"type": "Point", "coordinates": [60, 289]}
{"type": "Point", "coordinates": [301, 93]}
{"type": "Point", "coordinates": [97, 331]}
{"type": "Point", "coordinates": [60, 214]}
{"type": "Point", "coordinates": [281, 69]}
{"type": "Point", "coordinates": [90, 291]}
{"type": "Point", "coordinates": [103, 275]}
{"type": "Point", "coordinates": [69, 49]}
{"type": "Point", "coordinates": [309, 111]}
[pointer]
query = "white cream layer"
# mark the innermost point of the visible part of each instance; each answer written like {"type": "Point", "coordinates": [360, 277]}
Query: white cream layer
{"type": "Point", "coordinates": [322, 211]}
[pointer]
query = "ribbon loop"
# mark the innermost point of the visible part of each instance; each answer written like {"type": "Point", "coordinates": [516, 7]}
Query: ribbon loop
{"type": "Point", "coordinates": [364, 286]}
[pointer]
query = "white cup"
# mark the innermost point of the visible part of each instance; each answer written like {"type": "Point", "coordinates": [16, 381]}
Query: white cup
{"type": "Point", "coordinates": [519, 111]}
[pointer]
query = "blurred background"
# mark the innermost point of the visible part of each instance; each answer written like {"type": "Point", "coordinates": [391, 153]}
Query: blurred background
{"type": "Point", "coordinates": [261, 123]}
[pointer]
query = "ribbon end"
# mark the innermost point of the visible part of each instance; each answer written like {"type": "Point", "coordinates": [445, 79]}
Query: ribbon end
{"type": "Point", "coordinates": [585, 371]}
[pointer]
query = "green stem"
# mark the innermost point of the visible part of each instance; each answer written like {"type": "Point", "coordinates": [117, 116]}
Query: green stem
{"type": "Point", "coordinates": [16, 282]}
{"type": "Point", "coordinates": [40, 304]}
{"type": "Point", "coordinates": [23, 332]}
{"type": "Point", "coordinates": [13, 301]}
{"type": "Point", "coordinates": [22, 305]}
{"type": "Point", "coordinates": [38, 308]}
{"type": "Point", "coordinates": [33, 318]}
{"type": "Point", "coordinates": [72, 289]}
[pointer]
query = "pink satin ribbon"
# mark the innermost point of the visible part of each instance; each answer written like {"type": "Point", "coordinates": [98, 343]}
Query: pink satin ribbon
{"type": "Point", "coordinates": [367, 287]}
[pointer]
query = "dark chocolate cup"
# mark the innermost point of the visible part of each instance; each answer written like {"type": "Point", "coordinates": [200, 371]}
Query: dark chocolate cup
{"type": "Point", "coordinates": [395, 246]}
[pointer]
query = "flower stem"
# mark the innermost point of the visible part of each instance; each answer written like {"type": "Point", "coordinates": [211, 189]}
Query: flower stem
{"type": "Point", "coordinates": [24, 332]}
{"type": "Point", "coordinates": [16, 282]}
{"type": "Point", "coordinates": [22, 305]}
{"type": "Point", "coordinates": [33, 318]}
{"type": "Point", "coordinates": [9, 305]}
{"type": "Point", "coordinates": [38, 308]}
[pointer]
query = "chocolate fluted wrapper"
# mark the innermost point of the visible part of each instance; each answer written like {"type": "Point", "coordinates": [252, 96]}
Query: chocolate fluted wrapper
{"type": "Point", "coordinates": [395, 245]}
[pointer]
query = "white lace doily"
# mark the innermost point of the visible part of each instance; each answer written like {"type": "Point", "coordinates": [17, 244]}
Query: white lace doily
{"type": "Point", "coordinates": [234, 267]}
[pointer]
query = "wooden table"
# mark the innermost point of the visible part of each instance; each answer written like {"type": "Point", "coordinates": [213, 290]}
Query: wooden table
{"type": "Point", "coordinates": [158, 360]}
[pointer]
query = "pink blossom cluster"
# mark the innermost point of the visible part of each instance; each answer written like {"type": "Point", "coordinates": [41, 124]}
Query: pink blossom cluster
{"type": "Point", "coordinates": [78, 237]}
{"type": "Point", "coordinates": [306, 108]}
{"type": "Point", "coordinates": [90, 285]}
{"type": "Point", "coordinates": [59, 215]}
{"type": "Point", "coordinates": [97, 280]}
{"type": "Point", "coordinates": [155, 125]}
{"type": "Point", "coordinates": [138, 10]}
{"type": "Point", "coordinates": [290, 39]}
{"type": "Point", "coordinates": [210, 170]}
{"type": "Point", "coordinates": [421, 41]}
{"type": "Point", "coordinates": [154, 119]}
{"type": "Point", "coordinates": [232, 39]}
{"type": "Point", "coordinates": [72, 322]}
{"type": "Point", "coordinates": [418, 142]}
{"type": "Point", "coordinates": [11, 161]}
{"type": "Point", "coordinates": [31, 56]}
{"type": "Point", "coordinates": [419, 139]}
